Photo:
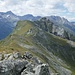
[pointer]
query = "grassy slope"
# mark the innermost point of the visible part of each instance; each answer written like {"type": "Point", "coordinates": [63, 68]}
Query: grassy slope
{"type": "Point", "coordinates": [44, 44]}
{"type": "Point", "coordinates": [9, 44]}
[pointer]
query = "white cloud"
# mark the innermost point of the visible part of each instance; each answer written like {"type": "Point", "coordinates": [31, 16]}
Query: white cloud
{"type": "Point", "coordinates": [70, 5]}
{"type": "Point", "coordinates": [36, 7]}
{"type": "Point", "coordinates": [39, 7]}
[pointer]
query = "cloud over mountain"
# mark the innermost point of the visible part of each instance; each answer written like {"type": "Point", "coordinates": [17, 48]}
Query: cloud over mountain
{"type": "Point", "coordinates": [63, 8]}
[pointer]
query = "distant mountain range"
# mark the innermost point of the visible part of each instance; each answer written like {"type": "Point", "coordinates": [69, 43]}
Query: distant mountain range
{"type": "Point", "coordinates": [60, 21]}
{"type": "Point", "coordinates": [8, 21]}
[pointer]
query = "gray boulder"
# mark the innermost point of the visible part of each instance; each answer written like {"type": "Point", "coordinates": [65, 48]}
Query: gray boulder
{"type": "Point", "coordinates": [15, 64]}
{"type": "Point", "coordinates": [6, 56]}
{"type": "Point", "coordinates": [1, 56]}
{"type": "Point", "coordinates": [12, 67]}
{"type": "Point", "coordinates": [37, 70]}
{"type": "Point", "coordinates": [17, 55]}
{"type": "Point", "coordinates": [44, 70]}
{"type": "Point", "coordinates": [27, 55]}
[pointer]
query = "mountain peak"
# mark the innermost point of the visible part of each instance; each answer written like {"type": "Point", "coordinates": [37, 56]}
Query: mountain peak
{"type": "Point", "coordinates": [9, 12]}
{"type": "Point", "coordinates": [29, 15]}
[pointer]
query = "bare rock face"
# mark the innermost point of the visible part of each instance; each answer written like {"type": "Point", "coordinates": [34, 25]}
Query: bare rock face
{"type": "Point", "coordinates": [17, 55]}
{"type": "Point", "coordinates": [12, 67]}
{"type": "Point", "coordinates": [0, 56]}
{"type": "Point", "coordinates": [58, 31]}
{"type": "Point", "coordinates": [27, 55]}
{"type": "Point", "coordinates": [41, 69]}
{"type": "Point", "coordinates": [26, 64]}
{"type": "Point", "coordinates": [46, 25]}
{"type": "Point", "coordinates": [15, 64]}
{"type": "Point", "coordinates": [44, 70]}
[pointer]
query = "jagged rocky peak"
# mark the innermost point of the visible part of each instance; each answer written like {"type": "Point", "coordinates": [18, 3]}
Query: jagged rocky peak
{"type": "Point", "coordinates": [58, 19]}
{"type": "Point", "coordinates": [26, 64]}
{"type": "Point", "coordinates": [47, 25]}
{"type": "Point", "coordinates": [44, 24]}
{"type": "Point", "coordinates": [6, 14]}
{"type": "Point", "coordinates": [9, 12]}
{"type": "Point", "coordinates": [58, 31]}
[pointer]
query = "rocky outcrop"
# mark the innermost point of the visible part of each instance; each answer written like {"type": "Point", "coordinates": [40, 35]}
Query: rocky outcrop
{"type": "Point", "coordinates": [46, 25]}
{"type": "Point", "coordinates": [58, 31]}
{"type": "Point", "coordinates": [0, 56]}
{"type": "Point", "coordinates": [17, 64]}
{"type": "Point", "coordinates": [38, 70]}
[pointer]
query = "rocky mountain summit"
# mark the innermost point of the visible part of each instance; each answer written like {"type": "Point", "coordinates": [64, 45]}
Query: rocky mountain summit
{"type": "Point", "coordinates": [26, 64]}
{"type": "Point", "coordinates": [8, 21]}
{"type": "Point", "coordinates": [49, 26]}
{"type": "Point", "coordinates": [62, 22]}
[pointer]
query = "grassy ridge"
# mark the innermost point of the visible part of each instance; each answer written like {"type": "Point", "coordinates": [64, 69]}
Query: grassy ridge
{"type": "Point", "coordinates": [42, 44]}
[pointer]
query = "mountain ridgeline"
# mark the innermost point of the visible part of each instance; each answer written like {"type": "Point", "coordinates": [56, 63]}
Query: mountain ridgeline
{"type": "Point", "coordinates": [47, 25]}
{"type": "Point", "coordinates": [8, 21]}
{"type": "Point", "coordinates": [51, 43]}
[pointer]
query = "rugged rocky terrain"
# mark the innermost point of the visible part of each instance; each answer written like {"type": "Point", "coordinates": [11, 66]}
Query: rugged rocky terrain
{"type": "Point", "coordinates": [42, 40]}
{"type": "Point", "coordinates": [26, 64]}
{"type": "Point", "coordinates": [8, 21]}
{"type": "Point", "coordinates": [63, 22]}
{"type": "Point", "coordinates": [49, 26]}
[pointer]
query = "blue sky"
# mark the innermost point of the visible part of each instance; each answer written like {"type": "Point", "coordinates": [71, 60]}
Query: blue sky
{"type": "Point", "coordinates": [63, 8]}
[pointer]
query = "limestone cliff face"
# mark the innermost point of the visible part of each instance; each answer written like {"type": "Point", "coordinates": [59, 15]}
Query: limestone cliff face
{"type": "Point", "coordinates": [58, 31]}
{"type": "Point", "coordinates": [50, 27]}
